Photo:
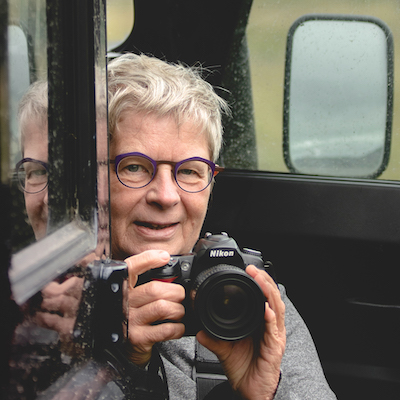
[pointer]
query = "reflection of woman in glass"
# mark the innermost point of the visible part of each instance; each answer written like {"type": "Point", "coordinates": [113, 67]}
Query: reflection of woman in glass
{"type": "Point", "coordinates": [32, 172]}
{"type": "Point", "coordinates": [46, 331]}
{"type": "Point", "coordinates": [59, 299]}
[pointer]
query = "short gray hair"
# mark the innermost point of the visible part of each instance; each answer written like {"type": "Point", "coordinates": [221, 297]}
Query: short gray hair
{"type": "Point", "coordinates": [33, 106]}
{"type": "Point", "coordinates": [141, 83]}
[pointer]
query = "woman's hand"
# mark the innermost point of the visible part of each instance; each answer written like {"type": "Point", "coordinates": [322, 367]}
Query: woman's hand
{"type": "Point", "coordinates": [59, 306]}
{"type": "Point", "coordinates": [253, 366]}
{"type": "Point", "coordinates": [149, 305]}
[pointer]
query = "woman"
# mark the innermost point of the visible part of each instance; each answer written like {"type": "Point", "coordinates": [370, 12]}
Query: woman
{"type": "Point", "coordinates": [161, 114]}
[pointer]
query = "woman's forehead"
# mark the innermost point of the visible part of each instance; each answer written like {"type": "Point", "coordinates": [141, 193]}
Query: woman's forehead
{"type": "Point", "coordinates": [34, 133]}
{"type": "Point", "coordinates": [141, 132]}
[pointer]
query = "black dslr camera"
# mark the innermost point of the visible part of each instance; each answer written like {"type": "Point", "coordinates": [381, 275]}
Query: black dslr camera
{"type": "Point", "coordinates": [220, 296]}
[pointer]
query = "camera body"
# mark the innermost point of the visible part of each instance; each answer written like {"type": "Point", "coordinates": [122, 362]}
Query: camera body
{"type": "Point", "coordinates": [220, 296]}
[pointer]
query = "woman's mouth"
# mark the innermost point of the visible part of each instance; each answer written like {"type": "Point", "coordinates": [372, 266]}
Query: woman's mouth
{"type": "Point", "coordinates": [153, 225]}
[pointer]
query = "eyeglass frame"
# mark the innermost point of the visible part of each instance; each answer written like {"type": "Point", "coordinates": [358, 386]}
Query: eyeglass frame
{"type": "Point", "coordinates": [215, 169]}
{"type": "Point", "coordinates": [28, 159]}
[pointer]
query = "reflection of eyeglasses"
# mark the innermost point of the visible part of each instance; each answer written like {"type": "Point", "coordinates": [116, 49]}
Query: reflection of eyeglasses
{"type": "Point", "coordinates": [136, 170]}
{"type": "Point", "coordinates": [32, 175]}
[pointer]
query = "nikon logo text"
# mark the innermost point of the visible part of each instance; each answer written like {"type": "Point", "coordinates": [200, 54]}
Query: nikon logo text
{"type": "Point", "coordinates": [221, 253]}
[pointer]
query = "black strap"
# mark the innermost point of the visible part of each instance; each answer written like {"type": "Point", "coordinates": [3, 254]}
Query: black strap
{"type": "Point", "coordinates": [138, 383]}
{"type": "Point", "coordinates": [208, 372]}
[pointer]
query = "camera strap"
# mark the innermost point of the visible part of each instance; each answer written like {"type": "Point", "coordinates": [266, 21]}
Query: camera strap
{"type": "Point", "coordinates": [138, 383]}
{"type": "Point", "coordinates": [208, 371]}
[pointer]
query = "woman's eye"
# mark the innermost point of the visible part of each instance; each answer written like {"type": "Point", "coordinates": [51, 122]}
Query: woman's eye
{"type": "Point", "coordinates": [187, 171]}
{"type": "Point", "coordinates": [39, 172]}
{"type": "Point", "coordinates": [36, 173]}
{"type": "Point", "coordinates": [134, 168]}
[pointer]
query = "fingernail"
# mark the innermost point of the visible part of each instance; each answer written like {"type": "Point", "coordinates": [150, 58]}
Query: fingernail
{"type": "Point", "coordinates": [164, 255]}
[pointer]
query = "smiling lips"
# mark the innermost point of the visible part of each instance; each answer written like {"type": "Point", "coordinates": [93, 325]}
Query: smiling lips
{"type": "Point", "coordinates": [154, 226]}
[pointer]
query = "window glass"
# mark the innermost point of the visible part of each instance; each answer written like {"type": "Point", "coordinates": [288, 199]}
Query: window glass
{"type": "Point", "coordinates": [120, 18]}
{"type": "Point", "coordinates": [27, 63]}
{"type": "Point", "coordinates": [270, 21]}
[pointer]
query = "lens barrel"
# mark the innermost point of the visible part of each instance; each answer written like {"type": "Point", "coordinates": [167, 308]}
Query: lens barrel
{"type": "Point", "coordinates": [228, 302]}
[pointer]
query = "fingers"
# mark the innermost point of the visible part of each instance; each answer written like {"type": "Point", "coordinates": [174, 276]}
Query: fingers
{"type": "Point", "coordinates": [61, 305]}
{"type": "Point", "coordinates": [72, 287]}
{"type": "Point", "coordinates": [145, 326]}
{"type": "Point", "coordinates": [154, 302]}
{"type": "Point", "coordinates": [64, 326]}
{"type": "Point", "coordinates": [275, 307]}
{"type": "Point", "coordinates": [144, 331]}
{"type": "Point", "coordinates": [155, 290]}
{"type": "Point", "coordinates": [155, 309]}
{"type": "Point", "coordinates": [140, 263]}
{"type": "Point", "coordinates": [62, 298]}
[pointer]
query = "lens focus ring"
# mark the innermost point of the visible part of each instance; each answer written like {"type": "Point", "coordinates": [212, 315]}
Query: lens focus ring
{"type": "Point", "coordinates": [228, 302]}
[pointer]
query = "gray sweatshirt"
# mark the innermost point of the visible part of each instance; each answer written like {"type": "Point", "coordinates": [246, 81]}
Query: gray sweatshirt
{"type": "Point", "coordinates": [302, 375]}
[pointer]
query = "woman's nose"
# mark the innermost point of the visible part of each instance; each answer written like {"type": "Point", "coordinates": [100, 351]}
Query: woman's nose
{"type": "Point", "coordinates": [163, 190]}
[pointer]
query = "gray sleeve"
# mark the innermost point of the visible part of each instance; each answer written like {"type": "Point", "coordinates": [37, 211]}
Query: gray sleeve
{"type": "Point", "coordinates": [302, 375]}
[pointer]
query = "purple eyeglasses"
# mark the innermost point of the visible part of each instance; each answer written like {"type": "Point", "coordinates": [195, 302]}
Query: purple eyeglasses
{"type": "Point", "coordinates": [136, 170]}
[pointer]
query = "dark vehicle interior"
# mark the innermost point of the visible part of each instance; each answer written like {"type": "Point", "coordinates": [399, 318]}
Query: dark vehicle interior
{"type": "Point", "coordinates": [333, 239]}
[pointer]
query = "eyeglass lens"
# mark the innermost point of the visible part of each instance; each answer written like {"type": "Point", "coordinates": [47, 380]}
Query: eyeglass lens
{"type": "Point", "coordinates": [32, 176]}
{"type": "Point", "coordinates": [191, 176]}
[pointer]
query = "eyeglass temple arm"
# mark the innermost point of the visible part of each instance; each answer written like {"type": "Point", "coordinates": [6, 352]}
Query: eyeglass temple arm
{"type": "Point", "coordinates": [218, 169]}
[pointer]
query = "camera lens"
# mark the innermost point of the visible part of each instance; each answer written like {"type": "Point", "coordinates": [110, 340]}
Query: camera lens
{"type": "Point", "coordinates": [228, 302]}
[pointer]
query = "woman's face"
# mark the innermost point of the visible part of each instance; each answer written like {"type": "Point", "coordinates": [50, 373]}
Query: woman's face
{"type": "Point", "coordinates": [35, 146]}
{"type": "Point", "coordinates": [160, 215]}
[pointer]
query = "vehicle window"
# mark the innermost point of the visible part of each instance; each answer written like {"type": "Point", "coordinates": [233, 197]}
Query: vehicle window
{"type": "Point", "coordinates": [270, 21]}
{"type": "Point", "coordinates": [120, 19]}
{"type": "Point", "coordinates": [338, 96]}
